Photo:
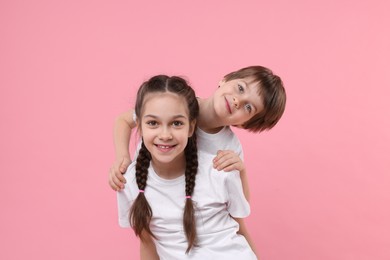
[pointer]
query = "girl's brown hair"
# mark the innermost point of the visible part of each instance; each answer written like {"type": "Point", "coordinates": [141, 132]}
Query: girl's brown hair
{"type": "Point", "coordinates": [141, 212]}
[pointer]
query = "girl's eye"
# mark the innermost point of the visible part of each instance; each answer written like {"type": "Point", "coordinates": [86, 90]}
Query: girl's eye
{"type": "Point", "coordinates": [152, 123]}
{"type": "Point", "coordinates": [240, 89]}
{"type": "Point", "coordinates": [248, 108]}
{"type": "Point", "coordinates": [177, 123]}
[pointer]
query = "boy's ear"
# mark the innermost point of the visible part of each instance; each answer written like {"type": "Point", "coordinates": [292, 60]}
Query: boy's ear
{"type": "Point", "coordinates": [222, 81]}
{"type": "Point", "coordinates": [192, 128]}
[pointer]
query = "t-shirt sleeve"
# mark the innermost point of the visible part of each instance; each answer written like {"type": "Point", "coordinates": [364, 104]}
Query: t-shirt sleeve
{"type": "Point", "coordinates": [237, 147]}
{"type": "Point", "coordinates": [240, 152]}
{"type": "Point", "coordinates": [237, 205]}
{"type": "Point", "coordinates": [125, 199]}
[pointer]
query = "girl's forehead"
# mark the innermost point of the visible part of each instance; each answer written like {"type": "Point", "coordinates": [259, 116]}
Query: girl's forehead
{"type": "Point", "coordinates": [160, 94]}
{"type": "Point", "coordinates": [164, 102]}
{"type": "Point", "coordinates": [163, 96]}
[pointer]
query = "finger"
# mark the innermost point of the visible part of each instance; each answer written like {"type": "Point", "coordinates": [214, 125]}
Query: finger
{"type": "Point", "coordinates": [220, 153]}
{"type": "Point", "coordinates": [224, 155]}
{"type": "Point", "coordinates": [227, 159]}
{"type": "Point", "coordinates": [229, 168]}
{"type": "Point", "coordinates": [123, 166]}
{"type": "Point", "coordinates": [223, 164]}
{"type": "Point", "coordinates": [117, 174]}
{"type": "Point", "coordinates": [117, 179]}
{"type": "Point", "coordinates": [113, 185]}
{"type": "Point", "coordinates": [232, 163]}
{"type": "Point", "coordinates": [220, 160]}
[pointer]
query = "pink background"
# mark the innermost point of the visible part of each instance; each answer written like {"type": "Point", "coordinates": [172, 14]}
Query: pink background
{"type": "Point", "coordinates": [320, 180]}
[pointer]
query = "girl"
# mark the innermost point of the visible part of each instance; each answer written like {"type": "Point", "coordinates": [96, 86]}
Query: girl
{"type": "Point", "coordinates": [178, 205]}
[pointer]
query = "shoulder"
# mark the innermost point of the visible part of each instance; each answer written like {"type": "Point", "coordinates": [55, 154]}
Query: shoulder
{"type": "Point", "coordinates": [131, 188]}
{"type": "Point", "coordinates": [130, 172]}
{"type": "Point", "coordinates": [225, 139]}
{"type": "Point", "coordinates": [206, 167]}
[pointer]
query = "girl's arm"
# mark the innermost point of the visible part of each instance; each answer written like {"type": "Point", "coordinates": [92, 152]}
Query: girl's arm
{"type": "Point", "coordinates": [124, 124]}
{"type": "Point", "coordinates": [148, 248]}
{"type": "Point", "coordinates": [243, 231]}
{"type": "Point", "coordinates": [228, 160]}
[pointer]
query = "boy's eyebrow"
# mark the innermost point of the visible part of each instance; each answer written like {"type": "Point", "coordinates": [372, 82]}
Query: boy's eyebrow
{"type": "Point", "coordinates": [243, 82]}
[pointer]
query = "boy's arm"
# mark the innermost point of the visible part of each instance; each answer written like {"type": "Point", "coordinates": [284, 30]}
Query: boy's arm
{"type": "Point", "coordinates": [228, 160]}
{"type": "Point", "coordinates": [148, 249]}
{"type": "Point", "coordinates": [124, 124]}
{"type": "Point", "coordinates": [243, 231]}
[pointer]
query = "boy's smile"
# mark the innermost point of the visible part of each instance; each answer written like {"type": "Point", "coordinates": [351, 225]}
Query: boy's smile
{"type": "Point", "coordinates": [228, 106]}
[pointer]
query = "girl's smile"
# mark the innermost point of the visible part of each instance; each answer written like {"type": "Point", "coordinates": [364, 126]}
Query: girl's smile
{"type": "Point", "coordinates": [165, 148]}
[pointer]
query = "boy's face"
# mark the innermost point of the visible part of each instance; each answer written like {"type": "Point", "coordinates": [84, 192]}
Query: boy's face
{"type": "Point", "coordinates": [236, 101]}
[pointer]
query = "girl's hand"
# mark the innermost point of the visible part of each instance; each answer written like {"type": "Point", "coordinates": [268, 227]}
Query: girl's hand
{"type": "Point", "coordinates": [228, 160]}
{"type": "Point", "coordinates": [115, 176]}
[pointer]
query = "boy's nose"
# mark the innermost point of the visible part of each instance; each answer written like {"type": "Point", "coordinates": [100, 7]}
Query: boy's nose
{"type": "Point", "coordinates": [236, 103]}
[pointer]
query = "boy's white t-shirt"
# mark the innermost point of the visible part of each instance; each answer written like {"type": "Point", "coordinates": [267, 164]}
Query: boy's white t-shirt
{"type": "Point", "coordinates": [217, 196]}
{"type": "Point", "coordinates": [225, 139]}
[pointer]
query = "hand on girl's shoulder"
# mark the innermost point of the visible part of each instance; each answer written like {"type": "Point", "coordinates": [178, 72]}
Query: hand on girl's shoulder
{"type": "Point", "coordinates": [227, 160]}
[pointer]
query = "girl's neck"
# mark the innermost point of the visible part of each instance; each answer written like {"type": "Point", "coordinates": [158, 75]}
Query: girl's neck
{"type": "Point", "coordinates": [207, 119]}
{"type": "Point", "coordinates": [170, 170]}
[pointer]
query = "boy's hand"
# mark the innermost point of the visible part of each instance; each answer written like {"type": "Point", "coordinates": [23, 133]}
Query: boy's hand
{"type": "Point", "coordinates": [228, 160]}
{"type": "Point", "coordinates": [115, 178]}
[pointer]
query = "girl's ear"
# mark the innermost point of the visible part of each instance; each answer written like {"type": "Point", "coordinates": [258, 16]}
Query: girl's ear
{"type": "Point", "coordinates": [192, 128]}
{"type": "Point", "coordinates": [138, 126]}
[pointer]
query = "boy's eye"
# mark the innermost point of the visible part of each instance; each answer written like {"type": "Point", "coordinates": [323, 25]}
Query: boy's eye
{"type": "Point", "coordinates": [248, 108]}
{"type": "Point", "coordinates": [177, 123]}
{"type": "Point", "coordinates": [240, 88]}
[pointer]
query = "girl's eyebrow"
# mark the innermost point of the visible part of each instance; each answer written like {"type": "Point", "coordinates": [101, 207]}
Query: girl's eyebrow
{"type": "Point", "coordinates": [173, 117]}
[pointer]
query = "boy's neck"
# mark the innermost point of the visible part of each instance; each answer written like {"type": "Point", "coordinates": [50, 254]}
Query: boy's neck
{"type": "Point", "coordinates": [207, 118]}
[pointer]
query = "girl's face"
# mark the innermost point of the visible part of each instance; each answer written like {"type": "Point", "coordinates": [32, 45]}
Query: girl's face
{"type": "Point", "coordinates": [236, 101]}
{"type": "Point", "coordinates": [165, 128]}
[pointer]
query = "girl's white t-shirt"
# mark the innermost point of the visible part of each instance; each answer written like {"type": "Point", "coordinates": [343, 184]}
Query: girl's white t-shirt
{"type": "Point", "coordinates": [217, 196]}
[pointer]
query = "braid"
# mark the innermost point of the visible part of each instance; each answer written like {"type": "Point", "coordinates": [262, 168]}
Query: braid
{"type": "Point", "coordinates": [189, 222]}
{"type": "Point", "coordinates": [142, 166]}
{"type": "Point", "coordinates": [141, 212]}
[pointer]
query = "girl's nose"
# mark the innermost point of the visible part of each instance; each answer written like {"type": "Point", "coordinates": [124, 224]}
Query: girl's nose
{"type": "Point", "coordinates": [165, 134]}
